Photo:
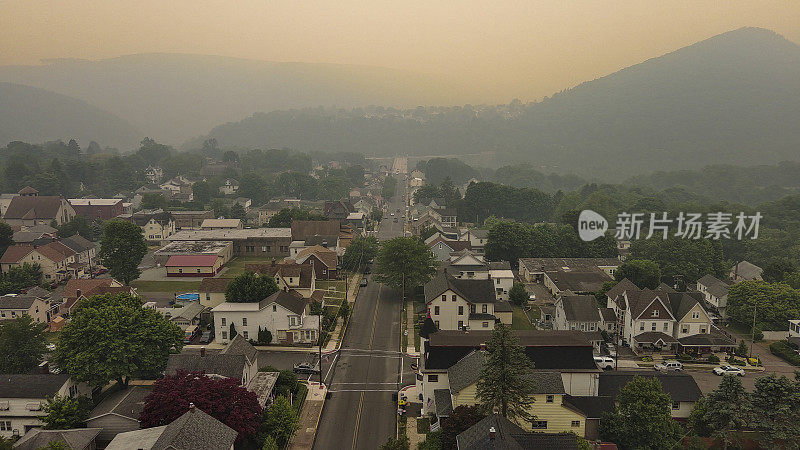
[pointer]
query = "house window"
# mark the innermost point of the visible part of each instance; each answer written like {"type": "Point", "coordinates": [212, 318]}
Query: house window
{"type": "Point", "coordinates": [695, 315]}
{"type": "Point", "coordinates": [244, 334]}
{"type": "Point", "coordinates": [641, 326]}
{"type": "Point", "coordinates": [472, 309]}
{"type": "Point", "coordinates": [655, 313]}
{"type": "Point", "coordinates": [436, 310]}
{"type": "Point", "coordinates": [460, 310]}
{"type": "Point", "coordinates": [684, 328]}
{"type": "Point", "coordinates": [208, 296]}
{"type": "Point", "coordinates": [576, 423]}
{"type": "Point", "coordinates": [676, 405]}
{"type": "Point", "coordinates": [653, 327]}
{"type": "Point", "coordinates": [497, 281]}
{"type": "Point", "coordinates": [485, 324]}
{"type": "Point", "coordinates": [5, 425]}
{"type": "Point", "coordinates": [484, 308]}
{"type": "Point", "coordinates": [453, 297]}
{"type": "Point", "coordinates": [274, 308]}
{"type": "Point", "coordinates": [666, 326]}
{"type": "Point", "coordinates": [244, 321]}
{"type": "Point", "coordinates": [549, 399]}
{"type": "Point", "coordinates": [224, 335]}
{"type": "Point", "coordinates": [539, 424]}
{"type": "Point", "coordinates": [460, 324]}
{"type": "Point", "coordinates": [444, 297]}
{"type": "Point", "coordinates": [702, 329]}
{"type": "Point", "coordinates": [433, 378]}
{"type": "Point", "coordinates": [73, 391]}
{"type": "Point", "coordinates": [180, 270]}
{"type": "Point", "coordinates": [223, 321]}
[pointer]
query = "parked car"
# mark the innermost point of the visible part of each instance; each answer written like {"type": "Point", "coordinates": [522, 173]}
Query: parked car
{"type": "Point", "coordinates": [363, 282]}
{"type": "Point", "coordinates": [367, 270]}
{"type": "Point", "coordinates": [206, 338]}
{"type": "Point", "coordinates": [604, 362]}
{"type": "Point", "coordinates": [611, 349]}
{"type": "Point", "coordinates": [669, 366]}
{"type": "Point", "coordinates": [305, 368]}
{"type": "Point", "coordinates": [728, 370]}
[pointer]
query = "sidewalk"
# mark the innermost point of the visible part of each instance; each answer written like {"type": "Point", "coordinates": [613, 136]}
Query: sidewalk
{"type": "Point", "coordinates": [352, 292]}
{"type": "Point", "coordinates": [410, 349]}
{"type": "Point", "coordinates": [310, 414]}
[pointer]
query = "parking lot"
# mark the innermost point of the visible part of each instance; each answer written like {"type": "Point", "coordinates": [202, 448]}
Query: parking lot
{"type": "Point", "coordinates": [285, 360]}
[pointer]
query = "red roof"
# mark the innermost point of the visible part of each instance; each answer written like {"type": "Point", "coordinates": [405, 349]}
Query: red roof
{"type": "Point", "coordinates": [15, 252]}
{"type": "Point", "coordinates": [191, 261]}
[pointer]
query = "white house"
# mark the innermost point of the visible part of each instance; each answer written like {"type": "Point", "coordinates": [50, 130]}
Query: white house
{"type": "Point", "coordinates": [714, 290]}
{"type": "Point", "coordinates": [580, 312]}
{"type": "Point", "coordinates": [284, 314]}
{"type": "Point", "coordinates": [462, 304]}
{"type": "Point", "coordinates": [229, 186]}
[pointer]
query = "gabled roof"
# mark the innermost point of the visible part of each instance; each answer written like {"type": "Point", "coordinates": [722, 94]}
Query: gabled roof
{"type": "Point", "coordinates": [15, 253]}
{"type": "Point", "coordinates": [78, 243]}
{"type": "Point", "coordinates": [444, 402]}
{"type": "Point", "coordinates": [240, 346]}
{"type": "Point", "coordinates": [76, 439]}
{"type": "Point", "coordinates": [27, 190]}
{"type": "Point", "coordinates": [326, 255]}
{"type": "Point", "coordinates": [214, 284]}
{"type": "Point", "coordinates": [31, 385]}
{"type": "Point", "coordinates": [196, 429]}
{"type": "Point", "coordinates": [715, 286]}
{"type": "Point", "coordinates": [302, 229]}
{"type": "Point", "coordinates": [454, 245]}
{"type": "Point", "coordinates": [623, 285]}
{"type": "Point", "coordinates": [680, 386]}
{"type": "Point", "coordinates": [230, 366]}
{"type": "Point", "coordinates": [639, 301]}
{"type": "Point", "coordinates": [33, 207]}
{"type": "Point", "coordinates": [16, 301]}
{"type": "Point", "coordinates": [591, 406]}
{"type": "Point", "coordinates": [127, 403]}
{"type": "Point", "coordinates": [55, 251]}
{"type": "Point", "coordinates": [683, 302]}
{"type": "Point", "coordinates": [287, 268]}
{"type": "Point", "coordinates": [743, 269]}
{"type": "Point", "coordinates": [466, 371]}
{"type": "Point", "coordinates": [580, 308]}
{"type": "Point", "coordinates": [288, 300]}
{"type": "Point", "coordinates": [471, 290]}
{"type": "Point", "coordinates": [87, 286]}
{"type": "Point", "coordinates": [509, 436]}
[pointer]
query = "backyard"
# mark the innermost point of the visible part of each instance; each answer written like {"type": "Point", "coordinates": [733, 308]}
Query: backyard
{"type": "Point", "coordinates": [520, 320]}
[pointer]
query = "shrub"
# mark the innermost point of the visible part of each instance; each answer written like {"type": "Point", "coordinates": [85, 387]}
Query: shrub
{"type": "Point", "coordinates": [713, 359]}
{"type": "Point", "coordinates": [758, 335]}
{"type": "Point", "coordinates": [783, 351]}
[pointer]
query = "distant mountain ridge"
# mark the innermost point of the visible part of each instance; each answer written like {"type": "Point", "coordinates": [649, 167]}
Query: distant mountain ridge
{"type": "Point", "coordinates": [730, 99]}
{"type": "Point", "coordinates": [173, 97]}
{"type": "Point", "coordinates": [35, 115]}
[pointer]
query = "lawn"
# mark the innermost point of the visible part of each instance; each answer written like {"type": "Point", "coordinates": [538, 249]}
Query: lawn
{"type": "Point", "coordinates": [166, 286]}
{"type": "Point", "coordinates": [236, 265]}
{"type": "Point", "coordinates": [520, 321]}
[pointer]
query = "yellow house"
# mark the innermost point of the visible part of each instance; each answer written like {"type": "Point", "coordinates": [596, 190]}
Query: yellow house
{"type": "Point", "coordinates": [551, 413]}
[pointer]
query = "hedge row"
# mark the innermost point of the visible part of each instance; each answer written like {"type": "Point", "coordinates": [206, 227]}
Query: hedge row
{"type": "Point", "coordinates": [782, 350]}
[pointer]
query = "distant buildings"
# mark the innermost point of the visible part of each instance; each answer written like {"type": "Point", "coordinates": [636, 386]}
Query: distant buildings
{"type": "Point", "coordinates": [29, 209]}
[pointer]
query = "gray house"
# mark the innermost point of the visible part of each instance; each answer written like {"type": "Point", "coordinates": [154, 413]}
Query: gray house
{"type": "Point", "coordinates": [119, 412]}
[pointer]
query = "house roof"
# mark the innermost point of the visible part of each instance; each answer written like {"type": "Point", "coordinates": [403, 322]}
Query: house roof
{"type": "Point", "coordinates": [622, 286]}
{"type": "Point", "coordinates": [539, 265]}
{"type": "Point", "coordinates": [55, 251]}
{"type": "Point", "coordinates": [715, 286]}
{"type": "Point", "coordinates": [444, 402]}
{"type": "Point", "coordinates": [527, 338]}
{"type": "Point", "coordinates": [12, 301]}
{"type": "Point", "coordinates": [142, 218]}
{"type": "Point", "coordinates": [324, 241]}
{"type": "Point", "coordinates": [454, 245]}
{"type": "Point", "coordinates": [502, 306]}
{"type": "Point", "coordinates": [77, 439]}
{"type": "Point", "coordinates": [706, 340]}
{"type": "Point", "coordinates": [87, 286]}
{"type": "Point", "coordinates": [471, 290]}
{"type": "Point", "coordinates": [127, 403]}
{"type": "Point", "coordinates": [221, 223]}
{"type": "Point", "coordinates": [94, 201]}
{"type": "Point", "coordinates": [191, 261]}
{"type": "Point", "coordinates": [682, 302]}
{"type": "Point", "coordinates": [302, 229]}
{"type": "Point", "coordinates": [31, 385]}
{"type": "Point", "coordinates": [591, 406]}
{"type": "Point", "coordinates": [287, 268]}
{"type": "Point", "coordinates": [15, 253]}
{"type": "Point", "coordinates": [680, 386]}
{"type": "Point", "coordinates": [651, 337]}
{"type": "Point", "coordinates": [326, 255]}
{"type": "Point", "coordinates": [608, 314]}
{"type": "Point", "coordinates": [33, 207]}
{"type": "Point", "coordinates": [743, 269]}
{"type": "Point", "coordinates": [240, 346]}
{"type": "Point", "coordinates": [288, 300]}
{"type": "Point", "coordinates": [78, 243]}
{"type": "Point", "coordinates": [580, 308]}
{"type": "Point", "coordinates": [194, 429]}
{"type": "Point", "coordinates": [581, 279]}
{"type": "Point", "coordinates": [509, 436]}
{"type": "Point", "coordinates": [466, 371]}
{"type": "Point", "coordinates": [27, 190]}
{"type": "Point", "coordinates": [230, 366]}
{"type": "Point", "coordinates": [214, 284]}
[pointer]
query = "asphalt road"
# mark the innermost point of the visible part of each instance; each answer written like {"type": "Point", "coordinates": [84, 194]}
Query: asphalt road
{"type": "Point", "coordinates": [363, 375]}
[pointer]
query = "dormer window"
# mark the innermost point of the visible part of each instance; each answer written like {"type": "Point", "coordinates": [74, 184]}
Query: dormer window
{"type": "Point", "coordinates": [695, 315]}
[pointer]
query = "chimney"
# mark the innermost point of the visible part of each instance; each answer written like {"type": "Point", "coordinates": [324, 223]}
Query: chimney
{"type": "Point", "coordinates": [483, 347]}
{"type": "Point", "coordinates": [44, 367]}
{"type": "Point", "coordinates": [202, 351]}
{"type": "Point", "coordinates": [192, 409]}
{"type": "Point", "coordinates": [492, 433]}
{"type": "Point", "coordinates": [78, 293]}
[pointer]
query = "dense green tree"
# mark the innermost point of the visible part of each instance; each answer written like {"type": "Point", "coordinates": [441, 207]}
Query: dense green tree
{"type": "Point", "coordinates": [122, 247]}
{"type": "Point", "coordinates": [202, 192]}
{"type": "Point", "coordinates": [356, 174]}
{"type": "Point", "coordinates": [250, 288]}
{"type": "Point", "coordinates": [775, 411]}
{"type": "Point", "coordinates": [642, 417]}
{"type": "Point", "coordinates": [270, 444]}
{"type": "Point", "coordinates": [689, 259]}
{"type": "Point", "coordinates": [360, 252]}
{"type": "Point", "coordinates": [22, 344]}
{"type": "Point", "coordinates": [111, 337]}
{"type": "Point", "coordinates": [518, 295]}
{"type": "Point", "coordinates": [238, 212]}
{"type": "Point", "coordinates": [284, 217]}
{"type": "Point", "coordinates": [778, 269]}
{"type": "Point", "coordinates": [20, 277]}
{"type": "Point", "coordinates": [641, 272]}
{"type": "Point", "coordinates": [6, 237]}
{"type": "Point", "coordinates": [392, 443]}
{"type": "Point", "coordinates": [507, 241]}
{"type": "Point", "coordinates": [389, 187]}
{"type": "Point", "coordinates": [152, 152]}
{"type": "Point", "coordinates": [153, 201]}
{"type": "Point", "coordinates": [426, 191]}
{"type": "Point", "coordinates": [774, 303]}
{"type": "Point", "coordinates": [723, 412]}
{"type": "Point", "coordinates": [64, 413]}
{"type": "Point", "coordinates": [91, 230]}
{"type": "Point", "coordinates": [505, 384]}
{"type": "Point", "coordinates": [280, 421]}
{"type": "Point", "coordinates": [404, 261]}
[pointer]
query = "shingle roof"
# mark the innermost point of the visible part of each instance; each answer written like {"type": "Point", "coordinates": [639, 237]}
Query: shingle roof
{"type": "Point", "coordinates": [706, 340]}
{"type": "Point", "coordinates": [623, 285]}
{"type": "Point", "coordinates": [230, 366]}
{"type": "Point", "coordinates": [743, 269]}
{"type": "Point", "coordinates": [715, 286]}
{"type": "Point", "coordinates": [680, 386]}
{"type": "Point", "coordinates": [608, 314]}
{"type": "Point", "coordinates": [444, 402]}
{"type": "Point", "coordinates": [580, 308]}
{"type": "Point", "coordinates": [127, 403]}
{"type": "Point", "coordinates": [682, 302]}
{"type": "Point", "coordinates": [27, 385]}
{"type": "Point", "coordinates": [288, 300]}
{"type": "Point", "coordinates": [88, 287]}
{"type": "Point", "coordinates": [302, 229]}
{"type": "Point", "coordinates": [527, 338]}
{"type": "Point", "coordinates": [196, 429]}
{"type": "Point", "coordinates": [240, 346]}
{"type": "Point", "coordinates": [15, 253]}
{"type": "Point", "coordinates": [77, 439]}
{"type": "Point", "coordinates": [471, 290]}
{"type": "Point", "coordinates": [214, 284]}
{"type": "Point", "coordinates": [591, 406]}
{"type": "Point", "coordinates": [579, 280]}
{"type": "Point", "coordinates": [477, 436]}
{"type": "Point", "coordinates": [78, 243]}
{"type": "Point", "coordinates": [326, 255]}
{"type": "Point", "coordinates": [33, 207]}
{"type": "Point", "coordinates": [322, 240]}
{"type": "Point", "coordinates": [651, 337]}
{"type": "Point", "coordinates": [16, 301]}
{"type": "Point", "coordinates": [550, 441]}
{"type": "Point", "coordinates": [502, 306]}
{"type": "Point", "coordinates": [55, 251]}
{"type": "Point", "coordinates": [466, 371]}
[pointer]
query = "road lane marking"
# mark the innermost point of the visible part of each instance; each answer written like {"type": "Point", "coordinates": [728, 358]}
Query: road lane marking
{"type": "Point", "coordinates": [371, 338]}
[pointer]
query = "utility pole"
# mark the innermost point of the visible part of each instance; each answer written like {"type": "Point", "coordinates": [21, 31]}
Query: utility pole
{"type": "Point", "coordinates": [319, 332]}
{"type": "Point", "coordinates": [753, 330]}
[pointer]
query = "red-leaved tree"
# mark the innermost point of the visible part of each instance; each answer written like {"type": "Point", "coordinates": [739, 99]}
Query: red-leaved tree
{"type": "Point", "coordinates": [221, 398]}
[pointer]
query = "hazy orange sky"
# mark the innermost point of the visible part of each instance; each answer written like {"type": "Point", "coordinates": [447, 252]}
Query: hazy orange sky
{"type": "Point", "coordinates": [523, 49]}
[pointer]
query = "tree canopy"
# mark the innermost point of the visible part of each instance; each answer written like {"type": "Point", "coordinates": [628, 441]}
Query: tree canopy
{"type": "Point", "coordinates": [22, 344]}
{"type": "Point", "coordinates": [65, 413]}
{"type": "Point", "coordinates": [505, 383]}
{"type": "Point", "coordinates": [250, 288]}
{"type": "Point", "coordinates": [361, 250]}
{"type": "Point", "coordinates": [404, 260]}
{"type": "Point", "coordinates": [122, 248]}
{"type": "Point", "coordinates": [641, 272]}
